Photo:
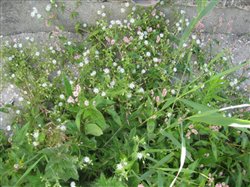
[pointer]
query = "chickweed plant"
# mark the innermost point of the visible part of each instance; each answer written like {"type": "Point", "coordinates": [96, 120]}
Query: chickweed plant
{"type": "Point", "coordinates": [137, 102]}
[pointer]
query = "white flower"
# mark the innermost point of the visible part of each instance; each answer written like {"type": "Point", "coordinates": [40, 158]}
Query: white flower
{"type": "Point", "coordinates": [37, 53]}
{"type": "Point", "coordinates": [146, 42]}
{"type": "Point", "coordinates": [72, 184]}
{"type": "Point", "coordinates": [16, 166]}
{"type": "Point", "coordinates": [132, 85]}
{"type": "Point", "coordinates": [20, 45]}
{"type": "Point", "coordinates": [93, 73]}
{"type": "Point", "coordinates": [59, 72]}
{"type": "Point", "coordinates": [54, 61]}
{"type": "Point", "coordinates": [119, 166]}
{"type": "Point", "coordinates": [99, 12]}
{"type": "Point", "coordinates": [103, 94]}
{"type": "Point", "coordinates": [21, 99]}
{"type": "Point", "coordinates": [148, 54]}
{"type": "Point", "coordinates": [44, 85]}
{"type": "Point", "coordinates": [62, 96]}
{"type": "Point", "coordinates": [174, 69]}
{"type": "Point", "coordinates": [198, 41]}
{"type": "Point", "coordinates": [194, 37]}
{"type": "Point", "coordinates": [141, 90]}
{"type": "Point", "coordinates": [179, 28]}
{"type": "Point", "coordinates": [132, 20]}
{"type": "Point", "coordinates": [8, 128]}
{"type": "Point", "coordinates": [103, 14]}
{"type": "Point", "coordinates": [122, 70]}
{"type": "Point", "coordinates": [139, 156]}
{"type": "Point", "coordinates": [48, 7]}
{"type": "Point", "coordinates": [34, 9]}
{"type": "Point", "coordinates": [96, 90]}
{"type": "Point", "coordinates": [161, 35]}
{"type": "Point", "coordinates": [106, 71]}
{"type": "Point", "coordinates": [35, 144]}
{"type": "Point", "coordinates": [173, 92]}
{"type": "Point", "coordinates": [86, 159]}
{"type": "Point", "coordinates": [63, 128]}
{"type": "Point", "coordinates": [32, 39]}
{"type": "Point", "coordinates": [81, 64]}
{"type": "Point", "coordinates": [36, 134]}
{"type": "Point", "coordinates": [18, 111]}
{"type": "Point", "coordinates": [13, 75]}
{"type": "Point", "coordinates": [134, 8]}
{"type": "Point", "coordinates": [129, 95]}
{"type": "Point", "coordinates": [86, 103]}
{"type": "Point", "coordinates": [60, 104]}
{"type": "Point", "coordinates": [122, 10]}
{"type": "Point", "coordinates": [103, 6]}
{"type": "Point", "coordinates": [183, 12]}
{"type": "Point", "coordinates": [85, 25]}
{"type": "Point", "coordinates": [10, 58]}
{"type": "Point", "coordinates": [143, 71]}
{"type": "Point", "coordinates": [32, 14]}
{"type": "Point", "coordinates": [184, 45]}
{"type": "Point", "coordinates": [127, 4]}
{"type": "Point", "coordinates": [155, 60]}
{"type": "Point", "coordinates": [224, 58]}
{"type": "Point", "coordinates": [38, 16]}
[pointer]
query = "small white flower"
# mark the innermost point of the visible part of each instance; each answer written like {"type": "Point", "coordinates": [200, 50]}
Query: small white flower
{"type": "Point", "coordinates": [8, 128]}
{"type": "Point", "coordinates": [161, 35]}
{"type": "Point", "coordinates": [20, 99]}
{"type": "Point", "coordinates": [37, 53]}
{"type": "Point", "coordinates": [134, 8]}
{"type": "Point", "coordinates": [20, 45]}
{"type": "Point", "coordinates": [35, 144]}
{"type": "Point", "coordinates": [132, 20]}
{"type": "Point", "coordinates": [129, 95]}
{"type": "Point", "coordinates": [184, 45]}
{"type": "Point", "coordinates": [127, 4]}
{"type": "Point", "coordinates": [60, 104]}
{"type": "Point", "coordinates": [99, 12]}
{"type": "Point", "coordinates": [36, 134]}
{"type": "Point", "coordinates": [194, 37]}
{"type": "Point", "coordinates": [132, 85]}
{"type": "Point", "coordinates": [106, 70]}
{"type": "Point", "coordinates": [224, 58]}
{"type": "Point", "coordinates": [103, 94]}
{"type": "Point", "coordinates": [16, 166]}
{"type": "Point", "coordinates": [59, 72]}
{"type": "Point", "coordinates": [62, 96]}
{"type": "Point", "coordinates": [86, 103]}
{"type": "Point", "coordinates": [13, 75]}
{"type": "Point", "coordinates": [122, 70]}
{"type": "Point", "coordinates": [198, 41]}
{"type": "Point", "coordinates": [141, 90]}
{"type": "Point", "coordinates": [155, 59]}
{"type": "Point", "coordinates": [44, 85]}
{"type": "Point", "coordinates": [54, 61]}
{"type": "Point", "coordinates": [34, 9]}
{"type": "Point", "coordinates": [18, 111]}
{"type": "Point", "coordinates": [86, 159]}
{"type": "Point", "coordinates": [48, 7]}
{"type": "Point", "coordinates": [146, 42]}
{"type": "Point", "coordinates": [81, 64]}
{"type": "Point", "coordinates": [143, 71]}
{"type": "Point", "coordinates": [115, 64]}
{"type": "Point", "coordinates": [139, 156]}
{"type": "Point", "coordinates": [93, 73]}
{"type": "Point", "coordinates": [179, 28]}
{"type": "Point", "coordinates": [148, 54]}
{"type": "Point", "coordinates": [10, 58]}
{"type": "Point", "coordinates": [119, 166]}
{"type": "Point", "coordinates": [85, 25]}
{"type": "Point", "coordinates": [183, 12]}
{"type": "Point", "coordinates": [63, 128]}
{"type": "Point", "coordinates": [103, 7]}
{"type": "Point", "coordinates": [72, 184]}
{"type": "Point", "coordinates": [96, 90]}
{"type": "Point", "coordinates": [103, 14]}
{"type": "Point", "coordinates": [38, 16]}
{"type": "Point", "coordinates": [173, 92]}
{"type": "Point", "coordinates": [32, 14]}
{"type": "Point", "coordinates": [32, 39]}
{"type": "Point", "coordinates": [174, 69]}
{"type": "Point", "coordinates": [112, 83]}
{"type": "Point", "coordinates": [122, 10]}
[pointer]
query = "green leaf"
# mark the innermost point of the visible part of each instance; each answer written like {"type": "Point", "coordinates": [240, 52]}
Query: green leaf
{"type": "Point", "coordinates": [96, 117]}
{"type": "Point", "coordinates": [115, 116]}
{"type": "Point", "coordinates": [93, 129]}
{"type": "Point", "coordinates": [78, 119]}
{"type": "Point", "coordinates": [214, 149]}
{"type": "Point", "coordinates": [67, 86]}
{"type": "Point", "coordinates": [194, 105]}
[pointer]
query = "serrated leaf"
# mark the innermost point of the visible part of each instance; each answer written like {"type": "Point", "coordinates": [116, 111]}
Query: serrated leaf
{"type": "Point", "coordinates": [93, 129]}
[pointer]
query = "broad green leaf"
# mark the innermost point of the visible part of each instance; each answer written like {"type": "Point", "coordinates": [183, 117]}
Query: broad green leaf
{"type": "Point", "coordinates": [78, 119]}
{"type": "Point", "coordinates": [115, 116]}
{"type": "Point", "coordinates": [168, 102]}
{"type": "Point", "coordinates": [67, 86]}
{"type": "Point", "coordinates": [214, 150]}
{"type": "Point", "coordinates": [194, 105]}
{"type": "Point", "coordinates": [93, 129]}
{"type": "Point", "coordinates": [96, 117]}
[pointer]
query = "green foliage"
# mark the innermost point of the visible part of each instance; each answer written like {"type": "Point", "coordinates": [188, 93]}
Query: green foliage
{"type": "Point", "coordinates": [138, 102]}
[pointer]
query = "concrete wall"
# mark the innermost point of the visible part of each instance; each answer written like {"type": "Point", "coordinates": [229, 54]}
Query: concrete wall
{"type": "Point", "coordinates": [15, 16]}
